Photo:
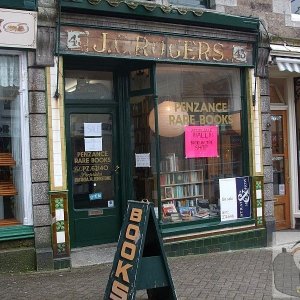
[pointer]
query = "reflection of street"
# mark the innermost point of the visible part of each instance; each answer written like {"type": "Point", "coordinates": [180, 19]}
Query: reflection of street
{"type": "Point", "coordinates": [286, 271]}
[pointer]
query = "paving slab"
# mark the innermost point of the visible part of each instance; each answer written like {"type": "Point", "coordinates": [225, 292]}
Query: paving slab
{"type": "Point", "coordinates": [208, 276]}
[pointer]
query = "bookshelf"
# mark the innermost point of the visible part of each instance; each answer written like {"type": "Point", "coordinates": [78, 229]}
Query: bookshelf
{"type": "Point", "coordinates": [181, 186]}
{"type": "Point", "coordinates": [182, 191]}
{"type": "Point", "coordinates": [7, 187]}
{"type": "Point", "coordinates": [140, 111]}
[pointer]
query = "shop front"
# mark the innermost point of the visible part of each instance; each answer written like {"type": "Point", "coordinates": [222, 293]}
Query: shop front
{"type": "Point", "coordinates": [162, 115]}
{"type": "Point", "coordinates": [284, 99]}
{"type": "Point", "coordinates": [17, 35]}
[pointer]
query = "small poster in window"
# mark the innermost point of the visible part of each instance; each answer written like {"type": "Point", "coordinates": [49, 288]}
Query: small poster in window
{"type": "Point", "coordinates": [281, 188]}
{"type": "Point", "coordinates": [93, 144]}
{"type": "Point", "coordinates": [92, 129]}
{"type": "Point", "coordinates": [235, 198]}
{"type": "Point", "coordinates": [142, 160]}
{"type": "Point", "coordinates": [201, 141]}
{"type": "Point", "coordinates": [228, 199]}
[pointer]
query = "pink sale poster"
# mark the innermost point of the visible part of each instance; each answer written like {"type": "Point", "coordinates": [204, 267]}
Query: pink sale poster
{"type": "Point", "coordinates": [201, 141]}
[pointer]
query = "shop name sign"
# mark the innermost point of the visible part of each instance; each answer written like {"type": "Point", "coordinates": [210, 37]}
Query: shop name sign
{"type": "Point", "coordinates": [18, 28]}
{"type": "Point", "coordinates": [113, 43]}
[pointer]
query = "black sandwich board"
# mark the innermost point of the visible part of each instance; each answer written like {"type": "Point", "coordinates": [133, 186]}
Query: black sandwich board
{"type": "Point", "coordinates": [140, 262]}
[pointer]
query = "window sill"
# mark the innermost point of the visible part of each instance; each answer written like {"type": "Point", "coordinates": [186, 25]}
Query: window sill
{"type": "Point", "coordinates": [173, 229]}
{"type": "Point", "coordinates": [8, 233]}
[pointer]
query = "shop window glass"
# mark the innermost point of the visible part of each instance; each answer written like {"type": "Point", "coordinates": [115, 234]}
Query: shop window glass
{"type": "Point", "coordinates": [278, 91]}
{"type": "Point", "coordinates": [192, 3]}
{"type": "Point", "coordinates": [297, 105]}
{"type": "Point", "coordinates": [295, 6]}
{"type": "Point", "coordinates": [88, 85]}
{"type": "Point", "coordinates": [11, 187]}
{"type": "Point", "coordinates": [207, 102]}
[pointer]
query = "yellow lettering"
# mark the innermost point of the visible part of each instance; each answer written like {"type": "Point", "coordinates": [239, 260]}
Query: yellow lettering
{"type": "Point", "coordinates": [163, 48]}
{"type": "Point", "coordinates": [171, 54]}
{"type": "Point", "coordinates": [187, 50]}
{"type": "Point", "coordinates": [119, 291]}
{"type": "Point", "coordinates": [132, 232]}
{"type": "Point", "coordinates": [141, 46]}
{"type": "Point", "coordinates": [177, 106]}
{"type": "Point", "coordinates": [128, 250]}
{"type": "Point", "coordinates": [171, 119]}
{"type": "Point", "coordinates": [218, 49]}
{"type": "Point", "coordinates": [122, 269]}
{"type": "Point", "coordinates": [104, 38]}
{"type": "Point", "coordinates": [204, 49]}
{"type": "Point", "coordinates": [136, 215]}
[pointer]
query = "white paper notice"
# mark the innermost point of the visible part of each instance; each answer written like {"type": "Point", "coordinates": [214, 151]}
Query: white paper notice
{"type": "Point", "coordinates": [228, 202]}
{"type": "Point", "coordinates": [281, 188]}
{"type": "Point", "coordinates": [142, 160]}
{"type": "Point", "coordinates": [92, 129]}
{"type": "Point", "coordinates": [93, 144]}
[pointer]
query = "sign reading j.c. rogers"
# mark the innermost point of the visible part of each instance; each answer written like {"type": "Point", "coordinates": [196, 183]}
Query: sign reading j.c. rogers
{"type": "Point", "coordinates": [105, 42]}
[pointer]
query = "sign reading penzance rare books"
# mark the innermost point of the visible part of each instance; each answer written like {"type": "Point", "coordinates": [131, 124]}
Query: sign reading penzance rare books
{"type": "Point", "coordinates": [235, 198]}
{"type": "Point", "coordinates": [18, 28]}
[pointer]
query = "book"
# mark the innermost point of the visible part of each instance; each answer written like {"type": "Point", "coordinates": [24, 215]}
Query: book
{"type": "Point", "coordinates": [202, 213]}
{"type": "Point", "coordinates": [168, 209]}
{"type": "Point", "coordinates": [185, 212]}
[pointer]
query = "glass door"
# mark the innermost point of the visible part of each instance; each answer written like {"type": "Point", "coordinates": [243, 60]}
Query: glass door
{"type": "Point", "coordinates": [280, 170]}
{"type": "Point", "coordinates": [93, 172]}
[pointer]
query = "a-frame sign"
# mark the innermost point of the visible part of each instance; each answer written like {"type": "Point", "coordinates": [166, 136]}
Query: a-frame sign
{"type": "Point", "coordinates": [140, 262]}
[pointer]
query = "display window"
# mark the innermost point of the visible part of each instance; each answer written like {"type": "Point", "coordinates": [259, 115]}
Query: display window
{"type": "Point", "coordinates": [13, 208]}
{"type": "Point", "coordinates": [297, 107]}
{"type": "Point", "coordinates": [194, 137]}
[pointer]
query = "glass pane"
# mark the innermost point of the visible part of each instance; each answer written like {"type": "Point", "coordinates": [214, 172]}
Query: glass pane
{"type": "Point", "coordinates": [278, 175]}
{"type": "Point", "coordinates": [203, 99]}
{"type": "Point", "coordinates": [277, 135]}
{"type": "Point", "coordinates": [278, 90]}
{"type": "Point", "coordinates": [297, 105]}
{"type": "Point", "coordinates": [10, 140]}
{"type": "Point", "coordinates": [295, 6]}
{"type": "Point", "coordinates": [91, 144]}
{"type": "Point", "coordinates": [88, 85]}
{"type": "Point", "coordinates": [143, 145]}
{"type": "Point", "coordinates": [192, 3]}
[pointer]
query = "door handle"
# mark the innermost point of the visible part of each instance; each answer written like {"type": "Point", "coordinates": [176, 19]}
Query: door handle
{"type": "Point", "coordinates": [117, 169]}
{"type": "Point", "coordinates": [275, 200]}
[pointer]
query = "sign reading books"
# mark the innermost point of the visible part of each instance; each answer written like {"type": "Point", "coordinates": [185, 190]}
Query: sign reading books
{"type": "Point", "coordinates": [201, 141]}
{"type": "Point", "coordinates": [235, 198]}
{"type": "Point", "coordinates": [140, 262]}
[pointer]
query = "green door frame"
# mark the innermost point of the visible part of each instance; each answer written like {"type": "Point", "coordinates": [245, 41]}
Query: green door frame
{"type": "Point", "coordinates": [94, 109]}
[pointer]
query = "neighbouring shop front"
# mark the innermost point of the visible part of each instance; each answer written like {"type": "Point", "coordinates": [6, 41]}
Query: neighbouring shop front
{"type": "Point", "coordinates": [284, 99]}
{"type": "Point", "coordinates": [161, 114]}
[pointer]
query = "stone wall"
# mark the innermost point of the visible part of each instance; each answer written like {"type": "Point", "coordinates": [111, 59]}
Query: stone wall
{"type": "Point", "coordinates": [37, 61]}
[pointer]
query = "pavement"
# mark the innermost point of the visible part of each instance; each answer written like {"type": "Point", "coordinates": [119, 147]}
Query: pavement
{"type": "Point", "coordinates": [266, 273]}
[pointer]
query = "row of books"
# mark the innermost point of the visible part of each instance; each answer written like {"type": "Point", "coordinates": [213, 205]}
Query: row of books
{"type": "Point", "coordinates": [181, 191]}
{"type": "Point", "coordinates": [173, 214]}
{"type": "Point", "coordinates": [182, 177]}
{"type": "Point", "coordinates": [170, 163]}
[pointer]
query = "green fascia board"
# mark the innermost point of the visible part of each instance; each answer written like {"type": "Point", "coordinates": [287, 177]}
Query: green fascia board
{"type": "Point", "coordinates": [16, 232]}
{"type": "Point", "coordinates": [19, 4]}
{"type": "Point", "coordinates": [195, 227]}
{"type": "Point", "coordinates": [141, 10]}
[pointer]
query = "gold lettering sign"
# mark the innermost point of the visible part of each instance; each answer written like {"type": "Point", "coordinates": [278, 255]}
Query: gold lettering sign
{"type": "Point", "coordinates": [91, 166]}
{"type": "Point", "coordinates": [104, 42]}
